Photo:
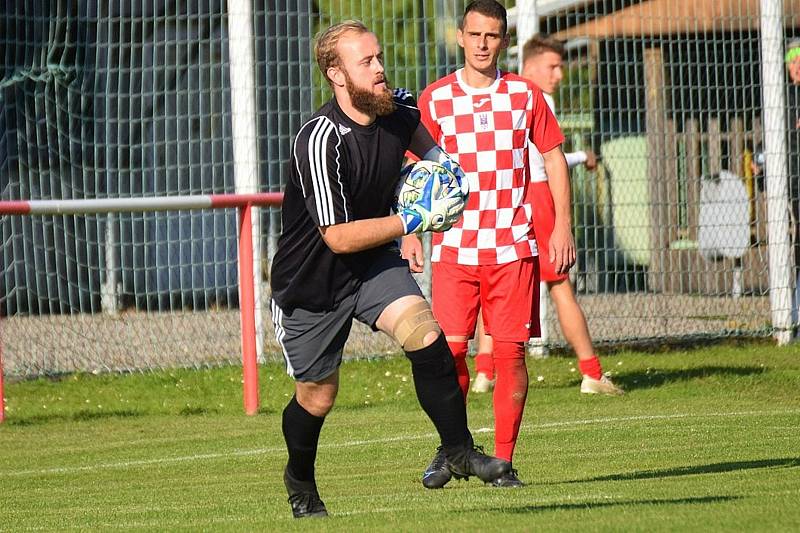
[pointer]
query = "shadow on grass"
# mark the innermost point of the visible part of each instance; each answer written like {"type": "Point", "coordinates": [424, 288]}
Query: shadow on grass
{"type": "Point", "coordinates": [83, 416]}
{"type": "Point", "coordinates": [74, 417]}
{"type": "Point", "coordinates": [703, 500]}
{"type": "Point", "coordinates": [656, 378]}
{"type": "Point", "coordinates": [714, 468]}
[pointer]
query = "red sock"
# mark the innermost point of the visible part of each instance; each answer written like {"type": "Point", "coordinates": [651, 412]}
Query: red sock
{"type": "Point", "coordinates": [484, 363]}
{"type": "Point", "coordinates": [510, 391]}
{"type": "Point", "coordinates": [591, 367]}
{"type": "Point", "coordinates": [459, 350]}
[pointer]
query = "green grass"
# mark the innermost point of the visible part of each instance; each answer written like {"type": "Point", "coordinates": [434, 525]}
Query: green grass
{"type": "Point", "coordinates": [705, 439]}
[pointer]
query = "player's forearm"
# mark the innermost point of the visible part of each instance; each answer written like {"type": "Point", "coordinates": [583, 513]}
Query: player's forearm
{"type": "Point", "coordinates": [422, 143]}
{"type": "Point", "coordinates": [361, 235]}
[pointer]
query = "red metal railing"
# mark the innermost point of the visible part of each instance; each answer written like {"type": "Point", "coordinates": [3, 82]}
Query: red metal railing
{"type": "Point", "coordinates": [243, 202]}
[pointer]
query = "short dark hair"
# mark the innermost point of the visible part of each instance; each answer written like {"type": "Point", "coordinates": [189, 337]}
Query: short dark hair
{"type": "Point", "coordinates": [539, 44]}
{"type": "Point", "coordinates": [488, 8]}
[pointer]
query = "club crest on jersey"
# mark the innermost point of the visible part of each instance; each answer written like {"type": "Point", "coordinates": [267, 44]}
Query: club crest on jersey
{"type": "Point", "coordinates": [483, 121]}
{"type": "Point", "coordinates": [344, 130]}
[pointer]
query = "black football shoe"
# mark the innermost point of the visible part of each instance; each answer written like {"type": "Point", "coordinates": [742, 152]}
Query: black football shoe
{"type": "Point", "coordinates": [508, 480]}
{"type": "Point", "coordinates": [438, 473]}
{"type": "Point", "coordinates": [471, 461]}
{"type": "Point", "coordinates": [304, 498]}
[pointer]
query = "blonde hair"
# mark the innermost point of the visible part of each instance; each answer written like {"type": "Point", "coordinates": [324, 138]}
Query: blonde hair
{"type": "Point", "coordinates": [539, 44]}
{"type": "Point", "coordinates": [327, 40]}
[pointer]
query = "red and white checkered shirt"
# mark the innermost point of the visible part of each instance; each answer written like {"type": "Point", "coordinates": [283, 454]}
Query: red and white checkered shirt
{"type": "Point", "coordinates": [487, 131]}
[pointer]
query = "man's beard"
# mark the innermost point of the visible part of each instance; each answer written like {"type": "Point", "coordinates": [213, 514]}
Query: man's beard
{"type": "Point", "coordinates": [368, 102]}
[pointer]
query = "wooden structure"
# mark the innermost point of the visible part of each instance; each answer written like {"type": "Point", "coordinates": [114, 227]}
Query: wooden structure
{"type": "Point", "coordinates": [685, 144]}
{"type": "Point", "coordinates": [675, 199]}
{"type": "Point", "coordinates": [672, 17]}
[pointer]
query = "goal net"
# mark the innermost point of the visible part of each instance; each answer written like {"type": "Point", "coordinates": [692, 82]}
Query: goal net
{"type": "Point", "coordinates": [117, 100]}
{"type": "Point", "coordinates": [678, 233]}
{"type": "Point", "coordinates": [139, 99]}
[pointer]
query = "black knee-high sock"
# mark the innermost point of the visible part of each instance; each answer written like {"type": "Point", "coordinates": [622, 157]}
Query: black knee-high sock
{"type": "Point", "coordinates": [301, 431]}
{"type": "Point", "coordinates": [436, 383]}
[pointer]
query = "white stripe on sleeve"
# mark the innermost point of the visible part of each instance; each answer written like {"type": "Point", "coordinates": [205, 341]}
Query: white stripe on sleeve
{"type": "Point", "coordinates": [317, 155]}
{"type": "Point", "coordinates": [318, 159]}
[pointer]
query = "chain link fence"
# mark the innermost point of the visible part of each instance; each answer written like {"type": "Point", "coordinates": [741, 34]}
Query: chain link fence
{"type": "Point", "coordinates": [674, 229]}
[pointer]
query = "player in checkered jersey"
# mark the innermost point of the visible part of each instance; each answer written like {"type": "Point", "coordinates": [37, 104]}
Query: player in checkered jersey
{"type": "Point", "coordinates": [485, 118]}
{"type": "Point", "coordinates": [542, 59]}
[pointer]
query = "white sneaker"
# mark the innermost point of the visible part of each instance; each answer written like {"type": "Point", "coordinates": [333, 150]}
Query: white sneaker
{"type": "Point", "coordinates": [482, 383]}
{"type": "Point", "coordinates": [604, 385]}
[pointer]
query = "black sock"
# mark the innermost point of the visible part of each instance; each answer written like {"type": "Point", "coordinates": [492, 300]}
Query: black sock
{"type": "Point", "coordinates": [438, 392]}
{"type": "Point", "coordinates": [301, 431]}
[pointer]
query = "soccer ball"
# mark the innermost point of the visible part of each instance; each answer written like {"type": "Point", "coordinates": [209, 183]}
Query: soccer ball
{"type": "Point", "coordinates": [414, 178]}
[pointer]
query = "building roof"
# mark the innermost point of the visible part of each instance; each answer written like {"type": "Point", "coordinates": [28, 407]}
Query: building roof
{"type": "Point", "coordinates": [664, 17]}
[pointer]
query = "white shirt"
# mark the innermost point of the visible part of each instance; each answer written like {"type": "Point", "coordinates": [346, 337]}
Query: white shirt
{"type": "Point", "coordinates": [535, 159]}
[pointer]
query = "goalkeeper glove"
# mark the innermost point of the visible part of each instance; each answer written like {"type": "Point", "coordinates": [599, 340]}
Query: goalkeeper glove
{"type": "Point", "coordinates": [432, 213]}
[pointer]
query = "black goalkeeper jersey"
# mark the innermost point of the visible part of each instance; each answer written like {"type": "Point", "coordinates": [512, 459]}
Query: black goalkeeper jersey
{"type": "Point", "coordinates": [340, 171]}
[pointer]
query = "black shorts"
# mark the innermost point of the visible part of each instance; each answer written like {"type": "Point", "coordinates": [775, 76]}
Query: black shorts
{"type": "Point", "coordinates": [312, 341]}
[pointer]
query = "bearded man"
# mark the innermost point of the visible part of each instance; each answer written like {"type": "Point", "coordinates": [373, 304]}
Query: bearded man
{"type": "Point", "coordinates": [337, 258]}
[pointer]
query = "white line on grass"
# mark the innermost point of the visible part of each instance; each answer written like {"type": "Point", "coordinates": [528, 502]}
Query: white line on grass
{"type": "Point", "coordinates": [402, 438]}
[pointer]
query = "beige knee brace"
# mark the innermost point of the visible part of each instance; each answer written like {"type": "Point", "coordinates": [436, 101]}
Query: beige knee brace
{"type": "Point", "coordinates": [413, 324]}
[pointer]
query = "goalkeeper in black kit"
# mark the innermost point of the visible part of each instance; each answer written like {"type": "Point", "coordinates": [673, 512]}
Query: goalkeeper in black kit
{"type": "Point", "coordinates": [337, 257]}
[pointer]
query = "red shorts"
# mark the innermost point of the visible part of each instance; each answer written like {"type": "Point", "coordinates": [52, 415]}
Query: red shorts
{"type": "Point", "coordinates": [544, 219]}
{"type": "Point", "coordinates": [508, 295]}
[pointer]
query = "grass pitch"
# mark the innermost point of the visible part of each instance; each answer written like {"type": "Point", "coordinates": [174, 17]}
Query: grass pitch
{"type": "Point", "coordinates": [705, 439]}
